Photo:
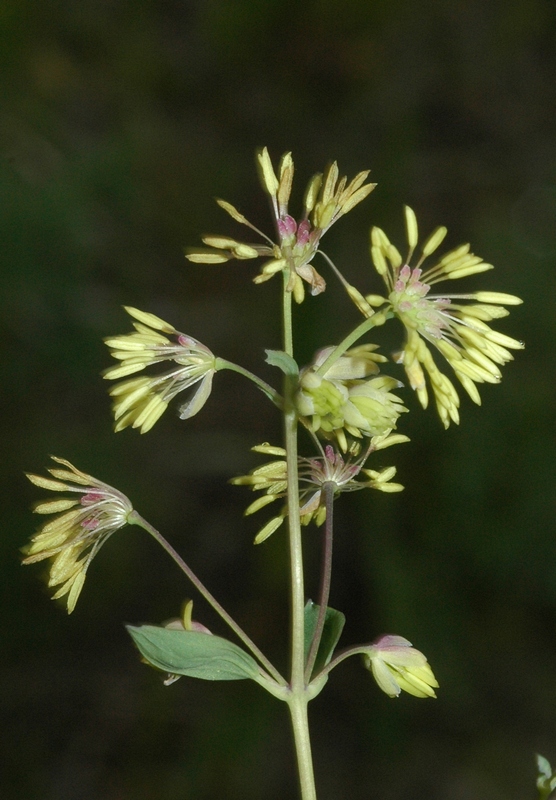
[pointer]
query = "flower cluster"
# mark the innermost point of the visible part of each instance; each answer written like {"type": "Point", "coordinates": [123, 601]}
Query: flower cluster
{"type": "Point", "coordinates": [458, 330]}
{"type": "Point", "coordinates": [141, 401]}
{"type": "Point", "coordinates": [330, 467]}
{"type": "Point", "coordinates": [344, 399]}
{"type": "Point", "coordinates": [85, 523]}
{"type": "Point", "coordinates": [396, 665]}
{"type": "Point", "coordinates": [327, 198]}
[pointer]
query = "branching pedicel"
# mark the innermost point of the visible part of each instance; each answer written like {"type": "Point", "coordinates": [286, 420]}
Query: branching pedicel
{"type": "Point", "coordinates": [349, 410]}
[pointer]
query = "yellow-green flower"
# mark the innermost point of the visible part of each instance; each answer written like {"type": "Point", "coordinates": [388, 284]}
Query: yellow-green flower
{"type": "Point", "coordinates": [327, 198]}
{"type": "Point", "coordinates": [344, 399]}
{"type": "Point", "coordinates": [456, 327]}
{"type": "Point", "coordinates": [397, 666]}
{"type": "Point", "coordinates": [84, 524]}
{"type": "Point", "coordinates": [141, 401]}
{"type": "Point", "coordinates": [271, 480]}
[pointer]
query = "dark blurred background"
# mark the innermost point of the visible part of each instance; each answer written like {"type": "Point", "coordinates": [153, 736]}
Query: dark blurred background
{"type": "Point", "coordinates": [121, 120]}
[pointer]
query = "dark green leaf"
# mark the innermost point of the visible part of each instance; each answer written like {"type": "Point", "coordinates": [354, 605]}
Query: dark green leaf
{"type": "Point", "coordinates": [277, 358]}
{"type": "Point", "coordinates": [333, 625]}
{"type": "Point", "coordinates": [198, 655]}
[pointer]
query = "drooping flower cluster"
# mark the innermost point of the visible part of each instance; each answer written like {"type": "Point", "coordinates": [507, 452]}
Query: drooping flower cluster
{"type": "Point", "coordinates": [330, 467]}
{"type": "Point", "coordinates": [141, 401]}
{"type": "Point", "coordinates": [84, 524]}
{"type": "Point", "coordinates": [397, 666]}
{"type": "Point", "coordinates": [327, 198]}
{"type": "Point", "coordinates": [458, 329]}
{"type": "Point", "coordinates": [345, 399]}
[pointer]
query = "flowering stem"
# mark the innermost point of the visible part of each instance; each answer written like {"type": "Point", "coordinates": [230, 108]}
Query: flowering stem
{"type": "Point", "coordinates": [371, 322]}
{"type": "Point", "coordinates": [341, 656]}
{"type": "Point", "coordinates": [298, 697]}
{"type": "Point", "coordinates": [276, 398]}
{"type": "Point", "coordinates": [136, 519]}
{"type": "Point", "coordinates": [326, 575]}
{"type": "Point", "coordinates": [300, 725]}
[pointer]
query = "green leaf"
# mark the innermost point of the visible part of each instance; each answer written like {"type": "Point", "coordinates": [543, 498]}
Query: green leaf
{"type": "Point", "coordinates": [277, 358]}
{"type": "Point", "coordinates": [198, 655]}
{"type": "Point", "coordinates": [333, 625]}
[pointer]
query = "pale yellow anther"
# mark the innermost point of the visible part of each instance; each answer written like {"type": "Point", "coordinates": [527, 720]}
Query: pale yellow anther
{"type": "Point", "coordinates": [186, 616]}
{"type": "Point", "coordinates": [412, 228]}
{"type": "Point", "coordinates": [273, 266]}
{"type": "Point", "coordinates": [505, 341]}
{"type": "Point", "coordinates": [286, 171]}
{"type": "Point", "coordinates": [221, 242]}
{"type": "Point", "coordinates": [463, 262]}
{"type": "Point", "coordinates": [47, 483]}
{"type": "Point", "coordinates": [379, 238]}
{"type": "Point", "coordinates": [480, 358]}
{"type": "Point", "coordinates": [448, 350]}
{"type": "Point", "coordinates": [469, 387]}
{"type": "Point", "coordinates": [323, 214]}
{"type": "Point", "coordinates": [454, 254]}
{"type": "Point", "coordinates": [269, 450]}
{"type": "Point", "coordinates": [340, 193]}
{"type": "Point", "coordinates": [358, 181]}
{"type": "Point", "coordinates": [378, 260]}
{"type": "Point", "coordinates": [244, 252]}
{"type": "Point", "coordinates": [355, 198]}
{"type": "Point", "coordinates": [268, 176]}
{"type": "Point", "coordinates": [207, 258]}
{"type": "Point", "coordinates": [498, 297]}
{"type": "Point", "coordinates": [434, 241]}
{"type": "Point", "coordinates": [482, 312]}
{"type": "Point", "coordinates": [329, 183]}
{"type": "Point", "coordinates": [259, 503]}
{"type": "Point", "coordinates": [312, 192]}
{"type": "Point", "coordinates": [271, 526]}
{"type": "Point", "coordinates": [465, 271]}
{"type": "Point", "coordinates": [375, 300]}
{"type": "Point", "coordinates": [298, 290]}
{"type": "Point", "coordinates": [54, 506]}
{"type": "Point", "coordinates": [150, 414]}
{"type": "Point", "coordinates": [359, 301]}
{"type": "Point", "coordinates": [150, 319]}
{"type": "Point", "coordinates": [394, 256]}
{"type": "Point", "coordinates": [232, 211]}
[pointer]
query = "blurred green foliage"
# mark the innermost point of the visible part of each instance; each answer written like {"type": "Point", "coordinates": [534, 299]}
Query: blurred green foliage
{"type": "Point", "coordinates": [121, 120]}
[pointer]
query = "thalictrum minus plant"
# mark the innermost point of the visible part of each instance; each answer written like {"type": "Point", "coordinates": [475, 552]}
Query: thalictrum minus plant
{"type": "Point", "coordinates": [342, 407]}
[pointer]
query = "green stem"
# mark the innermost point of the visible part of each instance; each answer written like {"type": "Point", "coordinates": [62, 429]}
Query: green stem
{"type": "Point", "coordinates": [326, 576]}
{"type": "Point", "coordinates": [355, 650]}
{"type": "Point", "coordinates": [299, 697]}
{"type": "Point", "coordinates": [136, 519]}
{"type": "Point", "coordinates": [300, 726]}
{"type": "Point", "coordinates": [273, 395]}
{"type": "Point", "coordinates": [371, 322]}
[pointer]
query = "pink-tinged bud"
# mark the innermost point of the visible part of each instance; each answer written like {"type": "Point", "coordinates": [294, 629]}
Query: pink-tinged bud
{"type": "Point", "coordinates": [396, 665]}
{"type": "Point", "coordinates": [287, 226]}
{"type": "Point", "coordinates": [303, 232]}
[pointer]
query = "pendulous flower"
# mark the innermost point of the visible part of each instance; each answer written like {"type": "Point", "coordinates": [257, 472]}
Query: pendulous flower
{"type": "Point", "coordinates": [184, 622]}
{"type": "Point", "coordinates": [141, 401]}
{"type": "Point", "coordinates": [397, 666]}
{"type": "Point", "coordinates": [84, 524]}
{"type": "Point", "coordinates": [345, 399]}
{"type": "Point", "coordinates": [457, 328]}
{"type": "Point", "coordinates": [327, 198]}
{"type": "Point", "coordinates": [330, 467]}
